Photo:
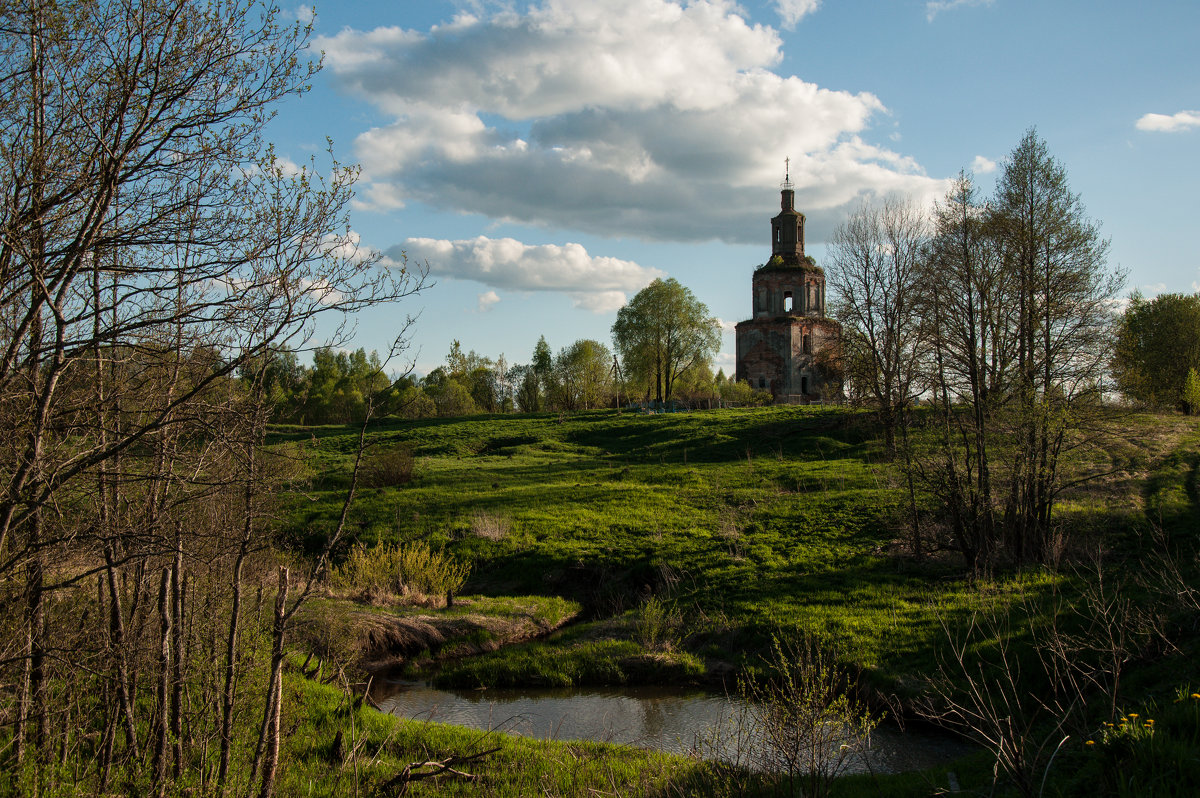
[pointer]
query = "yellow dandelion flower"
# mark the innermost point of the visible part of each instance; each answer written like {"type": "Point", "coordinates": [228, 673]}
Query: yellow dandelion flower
{"type": "Point", "coordinates": [1150, 722]}
{"type": "Point", "coordinates": [1133, 714]}
{"type": "Point", "coordinates": [1196, 695]}
{"type": "Point", "coordinates": [1090, 742]}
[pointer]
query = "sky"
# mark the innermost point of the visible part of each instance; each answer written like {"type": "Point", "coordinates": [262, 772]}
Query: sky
{"type": "Point", "coordinates": [546, 160]}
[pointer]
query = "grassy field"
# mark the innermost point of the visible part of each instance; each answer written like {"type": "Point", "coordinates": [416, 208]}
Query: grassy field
{"type": "Point", "coordinates": [612, 548]}
{"type": "Point", "coordinates": [695, 536]}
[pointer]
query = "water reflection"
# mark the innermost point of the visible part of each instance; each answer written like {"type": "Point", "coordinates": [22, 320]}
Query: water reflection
{"type": "Point", "coordinates": [647, 717]}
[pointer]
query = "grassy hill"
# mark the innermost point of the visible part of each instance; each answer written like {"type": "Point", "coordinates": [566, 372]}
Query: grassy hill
{"type": "Point", "coordinates": [725, 525]}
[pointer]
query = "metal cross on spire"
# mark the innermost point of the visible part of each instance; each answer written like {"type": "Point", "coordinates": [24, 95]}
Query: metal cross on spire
{"type": "Point", "coordinates": [787, 173]}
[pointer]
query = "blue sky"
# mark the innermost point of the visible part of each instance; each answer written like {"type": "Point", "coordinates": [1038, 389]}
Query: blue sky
{"type": "Point", "coordinates": [549, 159]}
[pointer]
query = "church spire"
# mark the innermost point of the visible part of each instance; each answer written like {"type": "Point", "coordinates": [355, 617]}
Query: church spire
{"type": "Point", "coordinates": [787, 199]}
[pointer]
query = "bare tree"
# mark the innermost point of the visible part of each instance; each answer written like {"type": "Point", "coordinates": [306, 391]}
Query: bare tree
{"type": "Point", "coordinates": [1064, 330]}
{"type": "Point", "coordinates": [875, 272]}
{"type": "Point", "coordinates": [969, 307]}
{"type": "Point", "coordinates": [151, 246]}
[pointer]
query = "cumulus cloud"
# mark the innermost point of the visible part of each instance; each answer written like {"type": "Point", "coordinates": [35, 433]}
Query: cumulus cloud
{"type": "Point", "coordinates": [1173, 123]}
{"type": "Point", "coordinates": [935, 7]}
{"type": "Point", "coordinates": [487, 300]}
{"type": "Point", "coordinates": [982, 165]}
{"type": "Point", "coordinates": [792, 11]}
{"type": "Point", "coordinates": [638, 118]}
{"type": "Point", "coordinates": [595, 283]}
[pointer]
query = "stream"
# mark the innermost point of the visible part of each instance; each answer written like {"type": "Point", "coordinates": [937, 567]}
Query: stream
{"type": "Point", "coordinates": [659, 718]}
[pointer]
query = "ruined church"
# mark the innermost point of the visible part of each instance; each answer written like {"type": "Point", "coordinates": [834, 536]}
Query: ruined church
{"type": "Point", "coordinates": [789, 347]}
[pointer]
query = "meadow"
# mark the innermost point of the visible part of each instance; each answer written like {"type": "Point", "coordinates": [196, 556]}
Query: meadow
{"type": "Point", "coordinates": [696, 536]}
{"type": "Point", "coordinates": [619, 548]}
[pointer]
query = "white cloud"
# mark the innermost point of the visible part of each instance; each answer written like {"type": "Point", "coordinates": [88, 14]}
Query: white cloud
{"type": "Point", "coordinates": [982, 165]}
{"type": "Point", "coordinates": [287, 166]}
{"type": "Point", "coordinates": [487, 300]}
{"type": "Point", "coordinates": [599, 301]}
{"type": "Point", "coordinates": [595, 283]}
{"type": "Point", "coordinates": [348, 247]}
{"type": "Point", "coordinates": [629, 118]}
{"type": "Point", "coordinates": [935, 7]}
{"type": "Point", "coordinates": [322, 291]}
{"type": "Point", "coordinates": [1175, 123]}
{"type": "Point", "coordinates": [792, 11]}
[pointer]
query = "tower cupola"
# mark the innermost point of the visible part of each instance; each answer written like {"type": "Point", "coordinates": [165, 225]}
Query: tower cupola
{"type": "Point", "coordinates": [787, 229]}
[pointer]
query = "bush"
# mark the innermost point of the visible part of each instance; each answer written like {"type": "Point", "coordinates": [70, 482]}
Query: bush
{"type": "Point", "coordinates": [809, 724]}
{"type": "Point", "coordinates": [413, 570]}
{"type": "Point", "coordinates": [389, 468]}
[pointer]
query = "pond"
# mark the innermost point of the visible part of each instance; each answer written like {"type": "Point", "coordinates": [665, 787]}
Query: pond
{"type": "Point", "coordinates": [659, 718]}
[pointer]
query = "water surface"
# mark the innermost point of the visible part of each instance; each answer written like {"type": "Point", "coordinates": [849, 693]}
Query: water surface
{"type": "Point", "coordinates": [665, 719]}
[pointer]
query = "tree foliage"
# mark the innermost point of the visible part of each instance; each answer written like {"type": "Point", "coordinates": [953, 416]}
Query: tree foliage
{"type": "Point", "coordinates": [1158, 343]}
{"type": "Point", "coordinates": [661, 333]}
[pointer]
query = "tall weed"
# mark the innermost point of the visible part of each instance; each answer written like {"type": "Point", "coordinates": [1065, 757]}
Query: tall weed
{"type": "Point", "coordinates": [411, 570]}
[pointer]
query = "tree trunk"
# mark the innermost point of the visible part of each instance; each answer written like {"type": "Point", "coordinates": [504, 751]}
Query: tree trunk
{"type": "Point", "coordinates": [268, 738]}
{"type": "Point", "coordinates": [163, 732]}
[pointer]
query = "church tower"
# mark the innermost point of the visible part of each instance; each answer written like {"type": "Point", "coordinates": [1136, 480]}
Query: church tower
{"type": "Point", "coordinates": [789, 346]}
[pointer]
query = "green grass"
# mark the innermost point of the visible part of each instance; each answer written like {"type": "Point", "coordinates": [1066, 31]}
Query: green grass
{"type": "Point", "coordinates": [750, 521]}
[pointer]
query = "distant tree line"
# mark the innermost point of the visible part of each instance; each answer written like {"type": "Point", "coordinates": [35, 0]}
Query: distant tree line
{"type": "Point", "coordinates": [665, 341]}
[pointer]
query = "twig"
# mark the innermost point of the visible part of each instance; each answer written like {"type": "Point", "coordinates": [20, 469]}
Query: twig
{"type": "Point", "coordinates": [412, 771]}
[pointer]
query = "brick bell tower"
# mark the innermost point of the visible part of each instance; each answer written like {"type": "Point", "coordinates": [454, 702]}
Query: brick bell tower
{"type": "Point", "coordinates": [789, 346]}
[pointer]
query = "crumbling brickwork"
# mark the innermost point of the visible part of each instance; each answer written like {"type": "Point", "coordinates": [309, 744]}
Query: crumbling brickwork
{"type": "Point", "coordinates": [789, 346]}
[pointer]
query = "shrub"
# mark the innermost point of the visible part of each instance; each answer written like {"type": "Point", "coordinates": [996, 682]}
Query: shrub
{"type": "Point", "coordinates": [657, 625]}
{"type": "Point", "coordinates": [1191, 393]}
{"type": "Point", "coordinates": [412, 570]}
{"type": "Point", "coordinates": [809, 724]}
{"type": "Point", "coordinates": [388, 468]}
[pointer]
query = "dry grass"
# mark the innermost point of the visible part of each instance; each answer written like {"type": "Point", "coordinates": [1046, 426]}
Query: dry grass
{"type": "Point", "coordinates": [490, 526]}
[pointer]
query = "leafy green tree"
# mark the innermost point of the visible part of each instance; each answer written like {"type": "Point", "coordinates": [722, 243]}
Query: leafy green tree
{"type": "Point", "coordinates": [543, 366]}
{"type": "Point", "coordinates": [1191, 393]}
{"type": "Point", "coordinates": [584, 371]}
{"type": "Point", "coordinates": [1158, 344]}
{"type": "Point", "coordinates": [527, 394]}
{"type": "Point", "coordinates": [663, 331]}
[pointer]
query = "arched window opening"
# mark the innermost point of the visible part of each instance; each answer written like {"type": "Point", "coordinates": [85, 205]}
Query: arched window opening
{"type": "Point", "coordinates": [807, 344]}
{"type": "Point", "coordinates": [804, 385]}
{"type": "Point", "coordinates": [762, 382]}
{"type": "Point", "coordinates": [787, 301]}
